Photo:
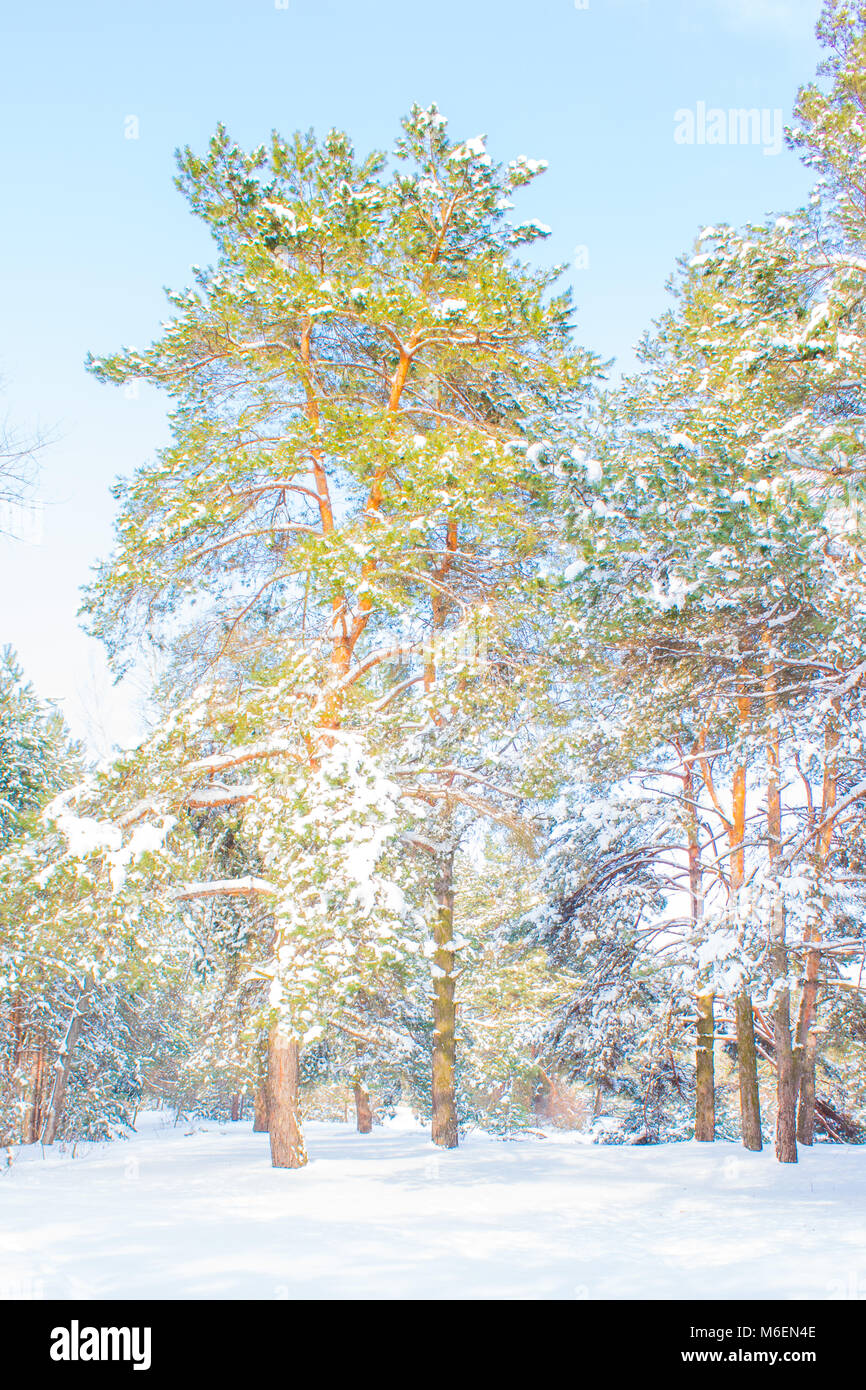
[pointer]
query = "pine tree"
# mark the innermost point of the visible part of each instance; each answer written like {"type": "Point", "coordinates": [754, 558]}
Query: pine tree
{"type": "Point", "coordinates": [716, 508]}
{"type": "Point", "coordinates": [365, 387]}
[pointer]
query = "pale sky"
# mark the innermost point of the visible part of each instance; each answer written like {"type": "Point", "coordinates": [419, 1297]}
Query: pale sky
{"type": "Point", "coordinates": [93, 227]}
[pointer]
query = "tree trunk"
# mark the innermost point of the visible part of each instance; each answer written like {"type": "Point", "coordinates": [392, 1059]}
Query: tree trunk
{"type": "Point", "coordinates": [542, 1092]}
{"type": "Point", "coordinates": [287, 1140]}
{"type": "Point", "coordinates": [786, 1081]}
{"type": "Point", "coordinates": [786, 1064]}
{"type": "Point", "coordinates": [444, 1011]}
{"type": "Point", "coordinates": [39, 1093]}
{"type": "Point", "coordinates": [705, 1088]}
{"type": "Point", "coordinates": [260, 1097]}
{"type": "Point", "coordinates": [32, 1071]}
{"type": "Point", "coordinates": [747, 1067]}
{"type": "Point", "coordinates": [806, 1042]}
{"type": "Point", "coordinates": [705, 1081]}
{"type": "Point", "coordinates": [260, 1109]}
{"type": "Point", "coordinates": [363, 1109]}
{"type": "Point", "coordinates": [804, 1051]}
{"type": "Point", "coordinates": [235, 1104]}
{"type": "Point", "coordinates": [806, 1113]}
{"type": "Point", "coordinates": [62, 1068]}
{"type": "Point", "coordinates": [747, 1056]}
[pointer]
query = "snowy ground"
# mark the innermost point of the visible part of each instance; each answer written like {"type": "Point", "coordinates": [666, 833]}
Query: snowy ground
{"type": "Point", "coordinates": [173, 1214]}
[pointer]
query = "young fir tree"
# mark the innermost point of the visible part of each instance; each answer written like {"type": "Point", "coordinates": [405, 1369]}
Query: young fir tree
{"type": "Point", "coordinates": [361, 387]}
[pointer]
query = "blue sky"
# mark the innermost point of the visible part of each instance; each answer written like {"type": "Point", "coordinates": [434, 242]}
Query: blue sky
{"type": "Point", "coordinates": [93, 227]}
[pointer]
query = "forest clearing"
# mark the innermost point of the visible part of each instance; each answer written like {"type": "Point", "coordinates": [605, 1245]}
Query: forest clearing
{"type": "Point", "coordinates": [198, 1214]}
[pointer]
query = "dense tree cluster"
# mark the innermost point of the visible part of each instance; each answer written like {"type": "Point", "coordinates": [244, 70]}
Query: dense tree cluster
{"type": "Point", "coordinates": [510, 749]}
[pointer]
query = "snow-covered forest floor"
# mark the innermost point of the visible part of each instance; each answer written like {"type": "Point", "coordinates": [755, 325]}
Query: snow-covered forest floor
{"type": "Point", "coordinates": [196, 1211]}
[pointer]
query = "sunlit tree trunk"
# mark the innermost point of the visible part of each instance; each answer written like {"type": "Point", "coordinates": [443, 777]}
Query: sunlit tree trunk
{"type": "Point", "coordinates": [260, 1110]}
{"type": "Point", "coordinates": [287, 1140]}
{"type": "Point", "coordinates": [260, 1094]}
{"type": "Point", "coordinates": [32, 1076]}
{"type": "Point", "coordinates": [363, 1109]}
{"type": "Point", "coordinates": [444, 1010]}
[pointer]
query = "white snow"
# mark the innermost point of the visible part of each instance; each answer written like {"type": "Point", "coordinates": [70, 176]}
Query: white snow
{"type": "Point", "coordinates": [196, 1212]}
{"type": "Point", "coordinates": [533, 225]}
{"type": "Point", "coordinates": [574, 569]}
{"type": "Point", "coordinates": [591, 466]}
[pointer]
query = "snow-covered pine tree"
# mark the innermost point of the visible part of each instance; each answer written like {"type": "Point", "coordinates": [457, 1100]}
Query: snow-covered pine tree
{"type": "Point", "coordinates": [361, 387]}
{"type": "Point", "coordinates": [721, 538]}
